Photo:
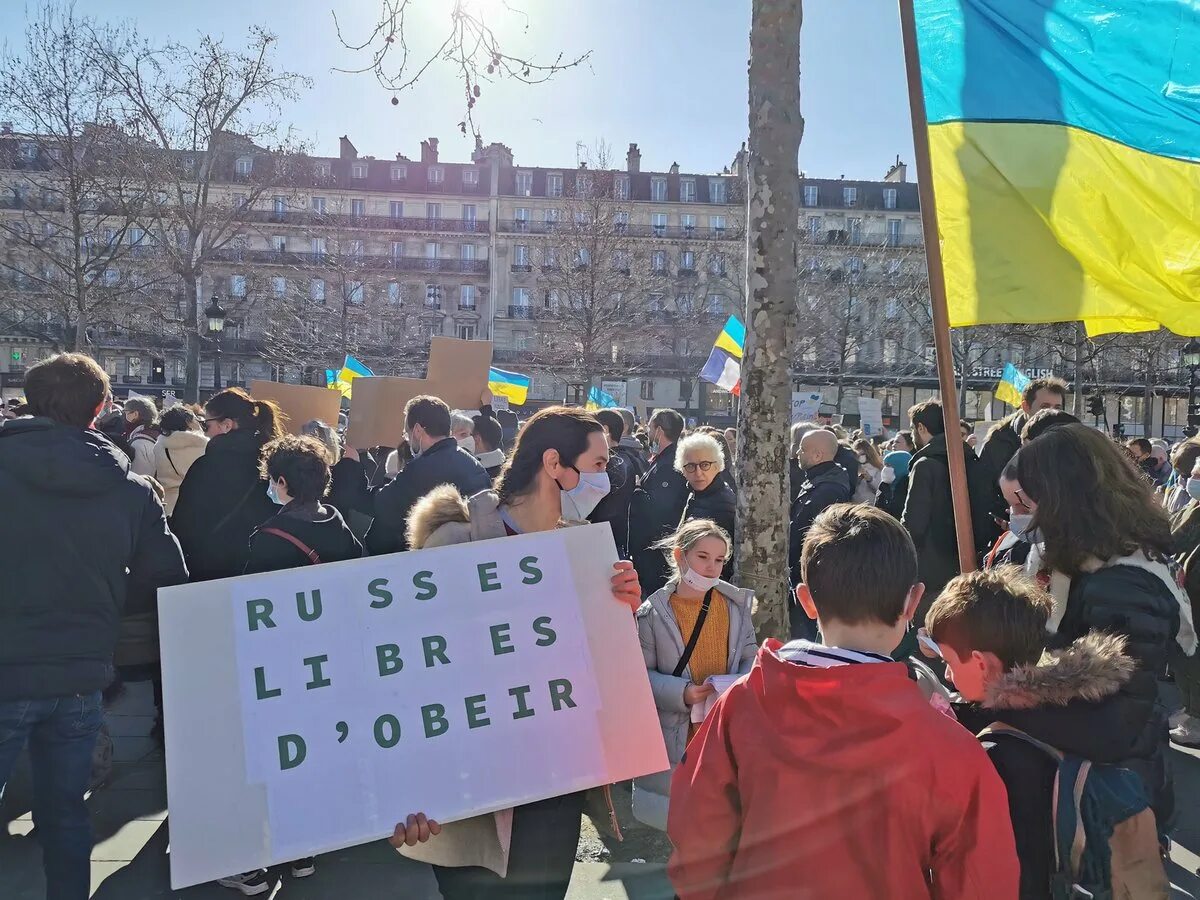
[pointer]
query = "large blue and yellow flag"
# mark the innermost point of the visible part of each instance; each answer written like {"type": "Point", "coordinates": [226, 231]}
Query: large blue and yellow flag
{"type": "Point", "coordinates": [724, 366]}
{"type": "Point", "coordinates": [512, 385]}
{"type": "Point", "coordinates": [1065, 147]}
{"type": "Point", "coordinates": [1011, 388]}
{"type": "Point", "coordinates": [598, 399]}
{"type": "Point", "coordinates": [342, 381]}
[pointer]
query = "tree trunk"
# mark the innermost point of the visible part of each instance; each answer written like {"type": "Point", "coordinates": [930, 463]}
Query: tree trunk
{"type": "Point", "coordinates": [1080, 342]}
{"type": "Point", "coordinates": [771, 231]}
{"type": "Point", "coordinates": [191, 324]}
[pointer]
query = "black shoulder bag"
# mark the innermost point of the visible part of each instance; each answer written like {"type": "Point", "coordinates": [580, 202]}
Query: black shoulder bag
{"type": "Point", "coordinates": [691, 643]}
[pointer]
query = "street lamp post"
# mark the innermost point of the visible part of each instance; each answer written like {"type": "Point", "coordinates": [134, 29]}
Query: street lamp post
{"type": "Point", "coordinates": [216, 324]}
{"type": "Point", "coordinates": [1191, 359]}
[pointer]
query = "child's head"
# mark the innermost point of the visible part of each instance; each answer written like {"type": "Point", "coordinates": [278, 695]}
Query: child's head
{"type": "Point", "coordinates": [298, 468]}
{"type": "Point", "coordinates": [699, 545]}
{"type": "Point", "coordinates": [858, 566]}
{"type": "Point", "coordinates": [987, 623]}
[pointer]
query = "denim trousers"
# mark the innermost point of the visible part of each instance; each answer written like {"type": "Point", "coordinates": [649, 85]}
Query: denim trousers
{"type": "Point", "coordinates": [61, 733]}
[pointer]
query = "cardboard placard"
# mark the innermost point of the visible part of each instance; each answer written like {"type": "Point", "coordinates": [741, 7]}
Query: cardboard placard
{"type": "Point", "coordinates": [310, 709]}
{"type": "Point", "coordinates": [300, 402]}
{"type": "Point", "coordinates": [870, 411]}
{"type": "Point", "coordinates": [458, 373]}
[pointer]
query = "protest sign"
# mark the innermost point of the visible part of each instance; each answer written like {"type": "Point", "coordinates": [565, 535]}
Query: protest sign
{"type": "Point", "coordinates": [300, 402]}
{"type": "Point", "coordinates": [805, 405]}
{"type": "Point", "coordinates": [311, 709]}
{"type": "Point", "coordinates": [618, 390]}
{"type": "Point", "coordinates": [870, 412]}
{"type": "Point", "coordinates": [457, 373]}
{"type": "Point", "coordinates": [499, 403]}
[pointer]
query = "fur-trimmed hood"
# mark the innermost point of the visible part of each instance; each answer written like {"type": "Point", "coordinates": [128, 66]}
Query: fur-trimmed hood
{"type": "Point", "coordinates": [1091, 669]}
{"type": "Point", "coordinates": [444, 516]}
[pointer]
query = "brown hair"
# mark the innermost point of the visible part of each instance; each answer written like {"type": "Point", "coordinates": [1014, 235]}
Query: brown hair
{"type": "Point", "coordinates": [1052, 384]}
{"type": "Point", "coordinates": [561, 428]}
{"type": "Point", "coordinates": [687, 536]}
{"type": "Point", "coordinates": [996, 611]}
{"type": "Point", "coordinates": [1185, 456]}
{"type": "Point", "coordinates": [870, 451]}
{"type": "Point", "coordinates": [1043, 420]}
{"type": "Point", "coordinates": [1091, 499]}
{"type": "Point", "coordinates": [430, 413]}
{"type": "Point", "coordinates": [859, 564]}
{"type": "Point", "coordinates": [303, 462]}
{"type": "Point", "coordinates": [263, 417]}
{"type": "Point", "coordinates": [66, 388]}
{"type": "Point", "coordinates": [929, 414]}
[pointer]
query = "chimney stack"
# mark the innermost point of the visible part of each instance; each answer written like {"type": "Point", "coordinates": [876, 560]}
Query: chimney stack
{"type": "Point", "coordinates": [897, 173]}
{"type": "Point", "coordinates": [429, 150]}
{"type": "Point", "coordinates": [347, 149]}
{"type": "Point", "coordinates": [633, 160]}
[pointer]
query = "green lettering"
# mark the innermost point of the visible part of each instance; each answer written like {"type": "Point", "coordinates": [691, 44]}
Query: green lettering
{"type": "Point", "coordinates": [434, 716]}
{"type": "Point", "coordinates": [532, 573]}
{"type": "Point", "coordinates": [523, 710]}
{"type": "Point", "coordinates": [541, 626]}
{"type": "Point", "coordinates": [501, 642]}
{"type": "Point", "coordinates": [308, 614]}
{"type": "Point", "coordinates": [259, 613]}
{"type": "Point", "coordinates": [435, 648]}
{"type": "Point", "coordinates": [377, 589]}
{"type": "Point", "coordinates": [476, 710]}
{"type": "Point", "coordinates": [318, 677]}
{"type": "Point", "coordinates": [387, 731]}
{"type": "Point", "coordinates": [260, 684]}
{"type": "Point", "coordinates": [427, 590]}
{"type": "Point", "coordinates": [560, 693]}
{"type": "Point", "coordinates": [291, 751]}
{"type": "Point", "coordinates": [487, 577]}
{"type": "Point", "coordinates": [388, 658]}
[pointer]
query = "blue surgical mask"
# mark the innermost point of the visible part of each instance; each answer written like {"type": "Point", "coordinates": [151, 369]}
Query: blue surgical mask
{"type": "Point", "coordinates": [579, 501]}
{"type": "Point", "coordinates": [273, 493]}
{"type": "Point", "coordinates": [1193, 488]}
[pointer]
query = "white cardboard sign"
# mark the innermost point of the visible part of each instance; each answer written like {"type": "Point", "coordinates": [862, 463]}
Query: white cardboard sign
{"type": "Point", "coordinates": [311, 709]}
{"type": "Point", "coordinates": [805, 405]}
{"type": "Point", "coordinates": [870, 411]}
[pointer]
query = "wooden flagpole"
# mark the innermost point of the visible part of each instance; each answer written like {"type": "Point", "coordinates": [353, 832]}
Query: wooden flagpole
{"type": "Point", "coordinates": [937, 292]}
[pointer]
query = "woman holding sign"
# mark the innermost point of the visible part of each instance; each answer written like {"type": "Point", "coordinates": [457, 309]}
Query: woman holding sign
{"type": "Point", "coordinates": [556, 476]}
{"type": "Point", "coordinates": [695, 632]}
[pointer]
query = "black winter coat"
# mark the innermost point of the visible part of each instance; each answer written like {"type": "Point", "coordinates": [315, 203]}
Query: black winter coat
{"type": "Point", "coordinates": [824, 485]}
{"type": "Point", "coordinates": [221, 500]}
{"type": "Point", "coordinates": [1003, 442]}
{"type": "Point", "coordinates": [654, 512]}
{"type": "Point", "coordinates": [78, 518]}
{"type": "Point", "coordinates": [443, 463]}
{"type": "Point", "coordinates": [623, 471]}
{"type": "Point", "coordinates": [717, 502]}
{"type": "Point", "coordinates": [892, 497]}
{"type": "Point", "coordinates": [317, 526]}
{"type": "Point", "coordinates": [929, 518]}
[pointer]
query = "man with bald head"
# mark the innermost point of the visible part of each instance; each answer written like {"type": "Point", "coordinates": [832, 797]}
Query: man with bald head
{"type": "Point", "coordinates": [825, 483]}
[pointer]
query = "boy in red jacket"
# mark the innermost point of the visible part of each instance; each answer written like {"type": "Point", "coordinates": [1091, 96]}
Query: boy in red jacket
{"type": "Point", "coordinates": [825, 772]}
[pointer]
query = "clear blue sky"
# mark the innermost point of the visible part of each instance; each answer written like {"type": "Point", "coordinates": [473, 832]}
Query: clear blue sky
{"type": "Point", "coordinates": [668, 74]}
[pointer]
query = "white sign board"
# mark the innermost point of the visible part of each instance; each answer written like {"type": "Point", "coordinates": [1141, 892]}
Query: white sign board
{"type": "Point", "coordinates": [499, 403]}
{"type": "Point", "coordinates": [618, 390]}
{"type": "Point", "coordinates": [311, 709]}
{"type": "Point", "coordinates": [805, 405]}
{"type": "Point", "coordinates": [870, 413]}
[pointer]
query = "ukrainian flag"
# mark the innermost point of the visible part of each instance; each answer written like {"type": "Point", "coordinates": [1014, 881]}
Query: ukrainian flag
{"type": "Point", "coordinates": [351, 369]}
{"type": "Point", "coordinates": [1065, 148]}
{"type": "Point", "coordinates": [732, 338]}
{"type": "Point", "coordinates": [1011, 388]}
{"type": "Point", "coordinates": [724, 367]}
{"type": "Point", "coordinates": [598, 399]}
{"type": "Point", "coordinates": [509, 384]}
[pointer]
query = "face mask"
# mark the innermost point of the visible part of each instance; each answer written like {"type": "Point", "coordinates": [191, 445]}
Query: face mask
{"type": "Point", "coordinates": [468, 444]}
{"type": "Point", "coordinates": [1018, 524]}
{"type": "Point", "coordinates": [412, 445]}
{"type": "Point", "coordinates": [273, 493]}
{"type": "Point", "coordinates": [579, 501]}
{"type": "Point", "coordinates": [862, 459]}
{"type": "Point", "coordinates": [698, 582]}
{"type": "Point", "coordinates": [1193, 488]}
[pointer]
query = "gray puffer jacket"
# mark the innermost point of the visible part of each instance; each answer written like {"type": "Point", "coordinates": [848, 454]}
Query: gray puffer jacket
{"type": "Point", "coordinates": [662, 646]}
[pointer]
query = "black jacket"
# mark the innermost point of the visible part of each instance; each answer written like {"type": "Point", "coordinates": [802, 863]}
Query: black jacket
{"type": "Point", "coordinates": [443, 463]}
{"type": "Point", "coordinates": [623, 471]}
{"type": "Point", "coordinates": [221, 500]}
{"type": "Point", "coordinates": [77, 519]}
{"type": "Point", "coordinates": [892, 497]}
{"type": "Point", "coordinates": [654, 512]}
{"type": "Point", "coordinates": [319, 527]}
{"type": "Point", "coordinates": [1086, 704]}
{"type": "Point", "coordinates": [1002, 444]}
{"type": "Point", "coordinates": [824, 485]}
{"type": "Point", "coordinates": [846, 458]}
{"type": "Point", "coordinates": [717, 502]}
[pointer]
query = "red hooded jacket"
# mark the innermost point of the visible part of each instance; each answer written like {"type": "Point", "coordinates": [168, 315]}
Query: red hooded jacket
{"type": "Point", "coordinates": [840, 782]}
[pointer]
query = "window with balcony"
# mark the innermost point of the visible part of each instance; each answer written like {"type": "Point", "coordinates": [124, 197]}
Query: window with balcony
{"type": "Point", "coordinates": [466, 296]}
{"type": "Point", "coordinates": [354, 292]}
{"type": "Point", "coordinates": [889, 198]}
{"type": "Point", "coordinates": [717, 190]}
{"type": "Point", "coordinates": [854, 227]}
{"type": "Point", "coordinates": [814, 228]}
{"type": "Point", "coordinates": [552, 216]}
{"type": "Point", "coordinates": [658, 224]}
{"type": "Point", "coordinates": [396, 209]}
{"type": "Point", "coordinates": [133, 367]}
{"type": "Point", "coordinates": [317, 246]}
{"type": "Point", "coordinates": [521, 256]}
{"type": "Point", "coordinates": [279, 205]}
{"type": "Point", "coordinates": [279, 243]}
{"type": "Point", "coordinates": [358, 208]}
{"type": "Point", "coordinates": [316, 290]}
{"type": "Point", "coordinates": [397, 249]}
{"type": "Point", "coordinates": [521, 340]}
{"type": "Point", "coordinates": [433, 210]}
{"type": "Point", "coordinates": [318, 205]}
{"type": "Point", "coordinates": [621, 221]}
{"type": "Point", "coordinates": [583, 257]}
{"type": "Point", "coordinates": [895, 232]}
{"type": "Point", "coordinates": [892, 308]}
{"type": "Point", "coordinates": [358, 170]}
{"type": "Point", "coordinates": [244, 165]}
{"type": "Point", "coordinates": [687, 261]}
{"type": "Point", "coordinates": [521, 219]}
{"type": "Point", "coordinates": [237, 285]}
{"type": "Point", "coordinates": [239, 201]}
{"type": "Point", "coordinates": [550, 300]}
{"type": "Point", "coordinates": [432, 250]}
{"type": "Point", "coordinates": [279, 286]}
{"type": "Point", "coordinates": [433, 296]}
{"type": "Point", "coordinates": [520, 303]}
{"type": "Point", "coordinates": [437, 174]}
{"type": "Point", "coordinates": [554, 185]}
{"type": "Point", "coordinates": [658, 262]}
{"type": "Point", "coordinates": [468, 215]}
{"type": "Point", "coordinates": [717, 224]}
{"type": "Point", "coordinates": [854, 264]}
{"type": "Point", "coordinates": [716, 264]}
{"type": "Point", "coordinates": [647, 389]}
{"type": "Point", "coordinates": [622, 260]}
{"type": "Point", "coordinates": [355, 249]}
{"type": "Point", "coordinates": [715, 304]}
{"type": "Point", "coordinates": [621, 187]}
{"type": "Point", "coordinates": [395, 294]}
{"type": "Point", "coordinates": [812, 195]}
{"type": "Point", "coordinates": [524, 184]}
{"type": "Point", "coordinates": [849, 196]}
{"type": "Point", "coordinates": [466, 251]}
{"type": "Point", "coordinates": [550, 258]}
{"type": "Point", "coordinates": [658, 189]}
{"type": "Point", "coordinates": [687, 190]}
{"type": "Point", "coordinates": [399, 173]}
{"type": "Point", "coordinates": [687, 222]}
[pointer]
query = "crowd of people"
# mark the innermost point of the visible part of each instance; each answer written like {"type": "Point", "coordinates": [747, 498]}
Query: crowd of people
{"type": "Point", "coordinates": [907, 741]}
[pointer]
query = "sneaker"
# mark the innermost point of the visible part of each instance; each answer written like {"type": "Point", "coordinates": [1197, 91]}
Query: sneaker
{"type": "Point", "coordinates": [249, 883]}
{"type": "Point", "coordinates": [1177, 718]}
{"type": "Point", "coordinates": [1187, 734]}
{"type": "Point", "coordinates": [302, 868]}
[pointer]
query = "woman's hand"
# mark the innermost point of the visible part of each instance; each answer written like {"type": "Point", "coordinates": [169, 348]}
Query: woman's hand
{"type": "Point", "coordinates": [416, 830]}
{"type": "Point", "coordinates": [625, 584]}
{"type": "Point", "coordinates": [485, 399]}
{"type": "Point", "coordinates": [695, 693]}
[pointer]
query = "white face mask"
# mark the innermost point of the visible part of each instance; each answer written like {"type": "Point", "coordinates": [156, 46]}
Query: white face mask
{"type": "Point", "coordinates": [862, 458]}
{"type": "Point", "coordinates": [698, 582]}
{"type": "Point", "coordinates": [273, 493]}
{"type": "Point", "coordinates": [579, 501]}
{"type": "Point", "coordinates": [1018, 524]}
{"type": "Point", "coordinates": [467, 443]}
{"type": "Point", "coordinates": [413, 447]}
{"type": "Point", "coordinates": [1193, 488]}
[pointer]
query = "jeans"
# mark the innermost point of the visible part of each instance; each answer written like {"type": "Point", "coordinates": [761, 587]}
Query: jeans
{"type": "Point", "coordinates": [61, 733]}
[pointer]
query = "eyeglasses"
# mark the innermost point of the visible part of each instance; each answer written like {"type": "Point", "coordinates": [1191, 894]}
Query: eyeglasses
{"type": "Point", "coordinates": [208, 422]}
{"type": "Point", "coordinates": [703, 466]}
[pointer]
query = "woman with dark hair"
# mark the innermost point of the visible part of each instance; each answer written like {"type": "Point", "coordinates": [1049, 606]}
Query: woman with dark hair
{"type": "Point", "coordinates": [1104, 557]}
{"type": "Point", "coordinates": [177, 449]}
{"type": "Point", "coordinates": [141, 431]}
{"type": "Point", "coordinates": [870, 467]}
{"type": "Point", "coordinates": [223, 498]}
{"type": "Point", "coordinates": [556, 475]}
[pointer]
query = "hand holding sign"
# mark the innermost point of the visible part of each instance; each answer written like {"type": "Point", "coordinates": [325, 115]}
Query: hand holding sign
{"type": "Point", "coordinates": [626, 586]}
{"type": "Point", "coordinates": [417, 829]}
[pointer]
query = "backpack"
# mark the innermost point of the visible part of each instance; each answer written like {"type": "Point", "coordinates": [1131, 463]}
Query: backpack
{"type": "Point", "coordinates": [1105, 837]}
